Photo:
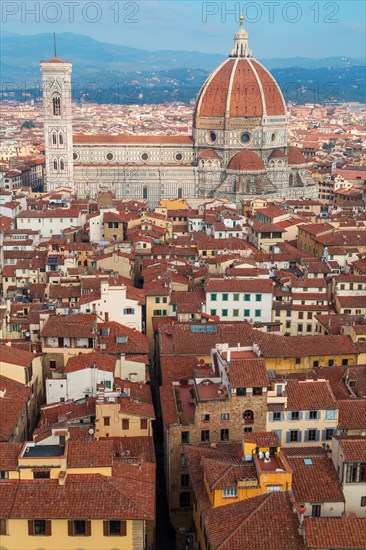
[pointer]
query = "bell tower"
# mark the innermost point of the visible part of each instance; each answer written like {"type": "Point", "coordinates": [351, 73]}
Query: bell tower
{"type": "Point", "coordinates": [56, 87]}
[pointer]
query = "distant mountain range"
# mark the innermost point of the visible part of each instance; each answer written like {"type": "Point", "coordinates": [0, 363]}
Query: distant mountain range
{"type": "Point", "coordinates": [177, 75]}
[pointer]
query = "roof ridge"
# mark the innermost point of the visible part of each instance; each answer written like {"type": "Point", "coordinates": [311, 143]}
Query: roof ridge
{"type": "Point", "coordinates": [265, 500]}
{"type": "Point", "coordinates": [223, 474]}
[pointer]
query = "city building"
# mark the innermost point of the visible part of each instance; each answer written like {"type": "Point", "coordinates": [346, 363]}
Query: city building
{"type": "Point", "coordinates": [238, 147]}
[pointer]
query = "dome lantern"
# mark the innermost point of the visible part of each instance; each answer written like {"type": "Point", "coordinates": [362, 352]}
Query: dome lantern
{"type": "Point", "coordinates": [241, 42]}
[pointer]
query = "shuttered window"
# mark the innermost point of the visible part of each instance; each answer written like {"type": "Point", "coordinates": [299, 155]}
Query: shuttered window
{"type": "Point", "coordinates": [79, 528]}
{"type": "Point", "coordinates": [3, 527]}
{"type": "Point", "coordinates": [39, 528]}
{"type": "Point", "coordinates": [115, 528]}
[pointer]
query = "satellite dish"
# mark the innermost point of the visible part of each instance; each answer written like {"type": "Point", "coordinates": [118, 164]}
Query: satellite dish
{"type": "Point", "coordinates": [91, 431]}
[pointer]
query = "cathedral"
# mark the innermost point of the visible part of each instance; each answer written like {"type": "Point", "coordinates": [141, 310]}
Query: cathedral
{"type": "Point", "coordinates": [238, 148]}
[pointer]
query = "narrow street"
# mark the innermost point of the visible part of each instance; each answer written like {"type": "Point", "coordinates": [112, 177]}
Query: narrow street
{"type": "Point", "coordinates": [165, 534]}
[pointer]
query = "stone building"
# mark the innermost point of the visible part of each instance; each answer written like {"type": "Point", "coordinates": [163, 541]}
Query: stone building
{"type": "Point", "coordinates": [238, 147]}
{"type": "Point", "coordinates": [217, 403]}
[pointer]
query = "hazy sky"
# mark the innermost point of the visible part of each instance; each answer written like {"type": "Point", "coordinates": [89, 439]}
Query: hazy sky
{"type": "Point", "coordinates": [276, 28]}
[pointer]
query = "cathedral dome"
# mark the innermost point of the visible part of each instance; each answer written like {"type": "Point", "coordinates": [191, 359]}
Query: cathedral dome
{"type": "Point", "coordinates": [246, 161]}
{"type": "Point", "coordinates": [240, 87]}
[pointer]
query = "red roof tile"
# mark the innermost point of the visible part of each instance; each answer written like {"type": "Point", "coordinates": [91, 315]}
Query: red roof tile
{"type": "Point", "coordinates": [352, 414]}
{"type": "Point", "coordinates": [317, 482]}
{"type": "Point", "coordinates": [9, 453]}
{"type": "Point", "coordinates": [15, 356]}
{"type": "Point", "coordinates": [72, 326]}
{"type": "Point", "coordinates": [247, 373]}
{"type": "Point", "coordinates": [345, 533]}
{"type": "Point", "coordinates": [354, 448]}
{"type": "Point", "coordinates": [82, 361]}
{"type": "Point", "coordinates": [303, 395]}
{"type": "Point", "coordinates": [90, 454]}
{"type": "Point", "coordinates": [82, 496]}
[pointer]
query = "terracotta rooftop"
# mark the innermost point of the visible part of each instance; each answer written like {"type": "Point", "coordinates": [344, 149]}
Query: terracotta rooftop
{"type": "Point", "coordinates": [315, 482]}
{"type": "Point", "coordinates": [182, 339]}
{"type": "Point", "coordinates": [72, 326]}
{"type": "Point", "coordinates": [15, 356]}
{"type": "Point", "coordinates": [87, 360]}
{"type": "Point", "coordinates": [342, 533]}
{"type": "Point", "coordinates": [90, 454]}
{"type": "Point", "coordinates": [352, 414]}
{"type": "Point", "coordinates": [9, 453]}
{"type": "Point", "coordinates": [298, 346]}
{"type": "Point", "coordinates": [247, 373]}
{"type": "Point", "coordinates": [94, 496]}
{"type": "Point", "coordinates": [309, 394]}
{"type": "Point", "coordinates": [354, 448]}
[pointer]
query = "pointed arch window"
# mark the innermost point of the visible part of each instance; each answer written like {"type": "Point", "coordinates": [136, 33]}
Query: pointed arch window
{"type": "Point", "coordinates": [144, 192]}
{"type": "Point", "coordinates": [55, 167]}
{"type": "Point", "coordinates": [180, 193]}
{"type": "Point", "coordinates": [62, 165]}
{"type": "Point", "coordinates": [56, 100]}
{"type": "Point", "coordinates": [61, 139]}
{"type": "Point", "coordinates": [54, 139]}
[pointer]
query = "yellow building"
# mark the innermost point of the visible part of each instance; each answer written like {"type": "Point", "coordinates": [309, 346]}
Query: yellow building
{"type": "Point", "coordinates": [128, 412]}
{"type": "Point", "coordinates": [228, 481]}
{"type": "Point", "coordinates": [76, 494]}
{"type": "Point", "coordinates": [284, 354]}
{"type": "Point", "coordinates": [25, 368]}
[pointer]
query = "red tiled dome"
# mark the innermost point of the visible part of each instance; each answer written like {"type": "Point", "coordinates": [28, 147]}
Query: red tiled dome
{"type": "Point", "coordinates": [295, 155]}
{"type": "Point", "coordinates": [277, 154]}
{"type": "Point", "coordinates": [240, 87]}
{"type": "Point", "coordinates": [246, 160]}
{"type": "Point", "coordinates": [208, 154]}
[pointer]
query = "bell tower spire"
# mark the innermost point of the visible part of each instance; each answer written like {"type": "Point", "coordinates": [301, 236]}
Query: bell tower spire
{"type": "Point", "coordinates": [241, 42]}
{"type": "Point", "coordinates": [58, 136]}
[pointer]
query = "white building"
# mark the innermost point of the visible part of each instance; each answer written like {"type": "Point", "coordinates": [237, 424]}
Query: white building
{"type": "Point", "coordinates": [80, 378]}
{"type": "Point", "coordinates": [239, 299]}
{"type": "Point", "coordinates": [349, 459]}
{"type": "Point", "coordinates": [50, 222]}
{"type": "Point", "coordinates": [114, 304]}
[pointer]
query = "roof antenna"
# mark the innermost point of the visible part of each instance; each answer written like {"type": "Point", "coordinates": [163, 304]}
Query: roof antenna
{"type": "Point", "coordinates": [54, 43]}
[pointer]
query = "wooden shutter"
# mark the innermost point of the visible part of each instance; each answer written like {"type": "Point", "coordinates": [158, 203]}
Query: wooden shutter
{"type": "Point", "coordinates": [3, 527]}
{"type": "Point", "coordinates": [30, 527]}
{"type": "Point", "coordinates": [48, 528]}
{"type": "Point", "coordinates": [123, 528]}
{"type": "Point", "coordinates": [70, 528]}
{"type": "Point", "coordinates": [106, 529]}
{"type": "Point", "coordinates": [88, 528]}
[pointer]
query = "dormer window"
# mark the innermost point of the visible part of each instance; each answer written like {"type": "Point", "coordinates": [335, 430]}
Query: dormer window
{"type": "Point", "coordinates": [230, 492]}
